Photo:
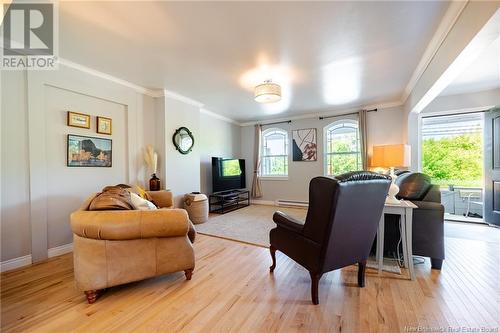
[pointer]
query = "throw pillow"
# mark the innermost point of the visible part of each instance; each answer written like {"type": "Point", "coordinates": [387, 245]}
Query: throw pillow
{"type": "Point", "coordinates": [141, 203]}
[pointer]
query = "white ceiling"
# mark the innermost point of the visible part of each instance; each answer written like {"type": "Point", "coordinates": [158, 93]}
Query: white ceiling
{"type": "Point", "coordinates": [482, 74]}
{"type": "Point", "coordinates": [326, 55]}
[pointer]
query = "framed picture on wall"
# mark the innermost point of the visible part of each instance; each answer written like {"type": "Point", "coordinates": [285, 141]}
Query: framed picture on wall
{"type": "Point", "coordinates": [85, 151]}
{"type": "Point", "coordinates": [304, 145]}
{"type": "Point", "coordinates": [104, 125]}
{"type": "Point", "coordinates": [76, 119]}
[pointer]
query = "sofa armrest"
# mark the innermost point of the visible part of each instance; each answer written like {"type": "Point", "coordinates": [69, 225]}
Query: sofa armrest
{"type": "Point", "coordinates": [433, 195]}
{"type": "Point", "coordinates": [163, 199]}
{"type": "Point", "coordinates": [288, 222]}
{"type": "Point", "coordinates": [130, 224]}
{"type": "Point", "coordinates": [429, 205]}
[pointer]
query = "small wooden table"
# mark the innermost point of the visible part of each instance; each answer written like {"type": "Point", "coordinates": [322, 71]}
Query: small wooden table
{"type": "Point", "coordinates": [405, 210]}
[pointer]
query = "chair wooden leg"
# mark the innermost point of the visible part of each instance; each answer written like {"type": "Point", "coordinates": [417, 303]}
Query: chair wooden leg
{"type": "Point", "coordinates": [92, 295]}
{"type": "Point", "coordinates": [188, 273]}
{"type": "Point", "coordinates": [361, 273]}
{"type": "Point", "coordinates": [272, 249]}
{"type": "Point", "coordinates": [314, 287]}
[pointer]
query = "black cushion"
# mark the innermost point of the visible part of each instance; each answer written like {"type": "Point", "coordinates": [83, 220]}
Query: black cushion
{"type": "Point", "coordinates": [413, 186]}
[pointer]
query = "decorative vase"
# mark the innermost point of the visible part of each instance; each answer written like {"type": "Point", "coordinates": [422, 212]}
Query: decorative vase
{"type": "Point", "coordinates": [154, 183]}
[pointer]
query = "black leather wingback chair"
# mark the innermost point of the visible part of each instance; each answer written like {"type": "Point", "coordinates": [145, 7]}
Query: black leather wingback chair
{"type": "Point", "coordinates": [428, 218]}
{"type": "Point", "coordinates": [341, 223]}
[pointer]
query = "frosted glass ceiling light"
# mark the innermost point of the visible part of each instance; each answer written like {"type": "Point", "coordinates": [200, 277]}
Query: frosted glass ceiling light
{"type": "Point", "coordinates": [268, 92]}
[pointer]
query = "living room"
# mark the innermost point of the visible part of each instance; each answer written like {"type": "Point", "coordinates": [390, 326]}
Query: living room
{"type": "Point", "coordinates": [162, 98]}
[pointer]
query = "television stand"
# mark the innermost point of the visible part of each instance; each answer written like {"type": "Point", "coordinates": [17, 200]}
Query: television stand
{"type": "Point", "coordinates": [227, 201]}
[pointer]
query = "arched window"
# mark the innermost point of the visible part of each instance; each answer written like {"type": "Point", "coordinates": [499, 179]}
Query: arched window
{"type": "Point", "coordinates": [274, 153]}
{"type": "Point", "coordinates": [342, 147]}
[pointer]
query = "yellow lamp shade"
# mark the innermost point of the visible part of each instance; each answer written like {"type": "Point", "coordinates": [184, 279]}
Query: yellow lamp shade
{"type": "Point", "coordinates": [390, 156]}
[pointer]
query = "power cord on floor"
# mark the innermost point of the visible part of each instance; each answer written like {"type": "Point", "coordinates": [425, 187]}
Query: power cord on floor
{"type": "Point", "coordinates": [417, 260]}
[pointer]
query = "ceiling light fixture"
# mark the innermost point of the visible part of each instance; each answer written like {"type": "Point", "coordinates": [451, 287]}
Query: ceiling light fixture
{"type": "Point", "coordinates": [268, 92]}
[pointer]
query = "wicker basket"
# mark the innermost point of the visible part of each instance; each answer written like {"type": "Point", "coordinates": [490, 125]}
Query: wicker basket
{"type": "Point", "coordinates": [197, 207]}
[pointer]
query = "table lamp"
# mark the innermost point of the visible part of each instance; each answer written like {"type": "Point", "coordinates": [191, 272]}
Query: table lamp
{"type": "Point", "coordinates": [391, 156]}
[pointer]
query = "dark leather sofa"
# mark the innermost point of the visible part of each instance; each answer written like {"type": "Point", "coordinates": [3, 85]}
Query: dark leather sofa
{"type": "Point", "coordinates": [428, 218]}
{"type": "Point", "coordinates": [340, 226]}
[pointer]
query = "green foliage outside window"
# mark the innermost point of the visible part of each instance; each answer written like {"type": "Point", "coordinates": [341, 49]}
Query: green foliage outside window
{"type": "Point", "coordinates": [342, 163]}
{"type": "Point", "coordinates": [275, 165]}
{"type": "Point", "coordinates": [454, 160]}
{"type": "Point", "coordinates": [343, 154]}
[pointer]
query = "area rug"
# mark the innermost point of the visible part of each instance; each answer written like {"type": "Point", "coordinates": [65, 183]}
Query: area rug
{"type": "Point", "coordinates": [252, 225]}
{"type": "Point", "coordinates": [249, 225]}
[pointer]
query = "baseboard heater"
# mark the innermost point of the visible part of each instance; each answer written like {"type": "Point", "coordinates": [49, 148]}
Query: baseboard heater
{"type": "Point", "coordinates": [291, 203]}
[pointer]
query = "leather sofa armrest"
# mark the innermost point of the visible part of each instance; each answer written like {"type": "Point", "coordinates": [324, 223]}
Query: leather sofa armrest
{"type": "Point", "coordinates": [130, 224]}
{"type": "Point", "coordinates": [163, 199]}
{"type": "Point", "coordinates": [429, 205]}
{"type": "Point", "coordinates": [288, 222]}
{"type": "Point", "coordinates": [433, 195]}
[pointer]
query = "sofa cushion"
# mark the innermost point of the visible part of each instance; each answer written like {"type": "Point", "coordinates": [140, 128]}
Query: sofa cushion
{"type": "Point", "coordinates": [413, 186]}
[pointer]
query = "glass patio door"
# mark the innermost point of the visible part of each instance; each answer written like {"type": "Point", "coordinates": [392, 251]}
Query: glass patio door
{"type": "Point", "coordinates": [453, 156]}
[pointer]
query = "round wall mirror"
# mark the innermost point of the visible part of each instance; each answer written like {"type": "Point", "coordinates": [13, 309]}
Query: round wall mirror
{"type": "Point", "coordinates": [183, 140]}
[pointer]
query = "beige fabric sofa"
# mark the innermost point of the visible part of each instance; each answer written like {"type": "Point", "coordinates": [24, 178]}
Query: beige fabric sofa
{"type": "Point", "coordinates": [121, 246]}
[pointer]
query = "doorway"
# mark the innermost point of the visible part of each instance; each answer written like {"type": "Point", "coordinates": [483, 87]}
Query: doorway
{"type": "Point", "coordinates": [453, 156]}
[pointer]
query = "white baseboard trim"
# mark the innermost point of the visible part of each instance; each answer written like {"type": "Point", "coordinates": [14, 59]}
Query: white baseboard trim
{"type": "Point", "coordinates": [60, 250]}
{"type": "Point", "coordinates": [14, 263]}
{"type": "Point", "coordinates": [263, 202]}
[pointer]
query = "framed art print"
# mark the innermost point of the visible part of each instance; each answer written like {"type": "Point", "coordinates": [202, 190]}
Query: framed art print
{"type": "Point", "coordinates": [304, 145]}
{"type": "Point", "coordinates": [85, 151]}
{"type": "Point", "coordinates": [76, 119]}
{"type": "Point", "coordinates": [104, 125]}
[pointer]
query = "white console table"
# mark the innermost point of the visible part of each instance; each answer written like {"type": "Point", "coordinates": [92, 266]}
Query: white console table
{"type": "Point", "coordinates": [405, 210]}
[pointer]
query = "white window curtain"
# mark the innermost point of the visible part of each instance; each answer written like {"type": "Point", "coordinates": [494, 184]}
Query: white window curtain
{"type": "Point", "coordinates": [256, 186]}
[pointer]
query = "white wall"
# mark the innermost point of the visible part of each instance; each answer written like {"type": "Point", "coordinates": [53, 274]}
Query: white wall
{"type": "Point", "coordinates": [482, 99]}
{"type": "Point", "coordinates": [384, 127]}
{"type": "Point", "coordinates": [182, 171]}
{"type": "Point", "coordinates": [68, 187]}
{"type": "Point", "coordinates": [15, 227]}
{"type": "Point", "coordinates": [218, 138]}
{"type": "Point", "coordinates": [38, 190]}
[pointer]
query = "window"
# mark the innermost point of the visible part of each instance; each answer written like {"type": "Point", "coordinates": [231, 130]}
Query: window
{"type": "Point", "coordinates": [274, 153]}
{"type": "Point", "coordinates": [342, 147]}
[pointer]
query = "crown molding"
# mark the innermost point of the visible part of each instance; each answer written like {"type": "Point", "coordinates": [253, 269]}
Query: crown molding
{"type": "Point", "coordinates": [218, 116]}
{"type": "Point", "coordinates": [450, 17]}
{"type": "Point", "coordinates": [85, 69]}
{"type": "Point", "coordinates": [181, 98]}
{"type": "Point", "coordinates": [149, 92]}
{"type": "Point", "coordinates": [386, 105]}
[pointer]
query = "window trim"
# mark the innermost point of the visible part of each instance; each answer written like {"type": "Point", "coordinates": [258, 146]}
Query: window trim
{"type": "Point", "coordinates": [326, 129]}
{"type": "Point", "coordinates": [261, 157]}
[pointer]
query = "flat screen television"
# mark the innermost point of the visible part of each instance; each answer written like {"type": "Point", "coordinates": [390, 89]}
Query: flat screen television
{"type": "Point", "coordinates": [228, 174]}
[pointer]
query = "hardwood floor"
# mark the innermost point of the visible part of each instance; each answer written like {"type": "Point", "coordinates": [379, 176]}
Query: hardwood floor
{"type": "Point", "coordinates": [232, 290]}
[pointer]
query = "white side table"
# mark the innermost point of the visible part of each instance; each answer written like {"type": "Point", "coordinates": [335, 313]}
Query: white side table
{"type": "Point", "coordinates": [405, 210]}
